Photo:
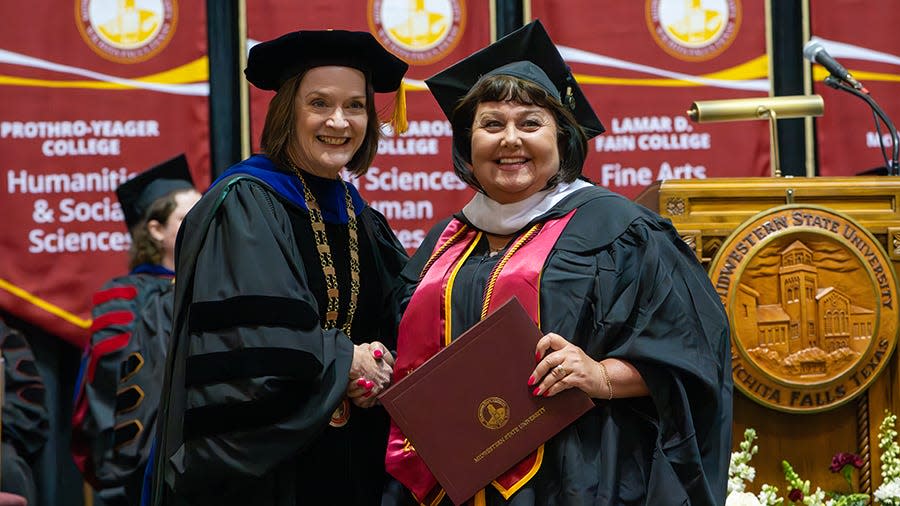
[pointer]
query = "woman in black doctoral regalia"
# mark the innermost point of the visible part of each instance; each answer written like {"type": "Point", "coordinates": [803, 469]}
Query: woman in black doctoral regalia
{"type": "Point", "coordinates": [283, 319]}
{"type": "Point", "coordinates": [629, 315]}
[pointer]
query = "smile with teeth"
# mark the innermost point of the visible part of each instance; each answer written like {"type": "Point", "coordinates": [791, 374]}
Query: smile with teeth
{"type": "Point", "coordinates": [334, 141]}
{"type": "Point", "coordinates": [511, 161]}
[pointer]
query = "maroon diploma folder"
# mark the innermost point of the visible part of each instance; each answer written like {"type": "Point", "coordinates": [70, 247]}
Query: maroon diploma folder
{"type": "Point", "coordinates": [468, 410]}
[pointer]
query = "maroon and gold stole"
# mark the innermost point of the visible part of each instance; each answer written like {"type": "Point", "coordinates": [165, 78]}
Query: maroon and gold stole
{"type": "Point", "coordinates": [426, 328]}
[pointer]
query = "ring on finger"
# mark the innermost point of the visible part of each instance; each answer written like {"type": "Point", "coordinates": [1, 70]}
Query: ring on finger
{"type": "Point", "coordinates": [560, 371]}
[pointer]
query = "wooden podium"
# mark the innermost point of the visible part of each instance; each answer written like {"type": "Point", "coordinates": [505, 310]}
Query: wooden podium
{"type": "Point", "coordinates": [812, 305]}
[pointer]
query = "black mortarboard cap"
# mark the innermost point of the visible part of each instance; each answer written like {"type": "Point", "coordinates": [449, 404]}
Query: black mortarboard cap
{"type": "Point", "coordinates": [138, 193]}
{"type": "Point", "coordinates": [527, 53]}
{"type": "Point", "coordinates": [273, 62]}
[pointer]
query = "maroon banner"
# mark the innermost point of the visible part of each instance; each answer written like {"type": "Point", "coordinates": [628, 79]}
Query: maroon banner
{"type": "Point", "coordinates": [641, 65]}
{"type": "Point", "coordinates": [412, 180]}
{"type": "Point", "coordinates": [863, 37]}
{"type": "Point", "coordinates": [93, 92]}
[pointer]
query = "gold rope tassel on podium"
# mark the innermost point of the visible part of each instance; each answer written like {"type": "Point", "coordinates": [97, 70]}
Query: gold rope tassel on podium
{"type": "Point", "coordinates": [862, 437]}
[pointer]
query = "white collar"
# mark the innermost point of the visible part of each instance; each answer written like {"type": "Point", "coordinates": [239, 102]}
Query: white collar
{"type": "Point", "coordinates": [504, 219]}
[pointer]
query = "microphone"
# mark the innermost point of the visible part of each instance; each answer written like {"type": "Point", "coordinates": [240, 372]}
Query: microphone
{"type": "Point", "coordinates": [814, 51]}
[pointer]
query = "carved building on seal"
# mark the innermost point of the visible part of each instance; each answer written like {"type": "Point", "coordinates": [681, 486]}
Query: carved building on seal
{"type": "Point", "coordinates": [807, 316]}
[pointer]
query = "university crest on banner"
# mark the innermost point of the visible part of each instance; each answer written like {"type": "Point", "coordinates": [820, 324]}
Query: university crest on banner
{"type": "Point", "coordinates": [812, 301]}
{"type": "Point", "coordinates": [126, 31]}
{"type": "Point", "coordinates": [420, 32]}
{"type": "Point", "coordinates": [693, 30]}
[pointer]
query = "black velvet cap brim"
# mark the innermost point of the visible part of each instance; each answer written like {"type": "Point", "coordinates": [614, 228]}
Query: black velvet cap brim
{"type": "Point", "coordinates": [273, 62]}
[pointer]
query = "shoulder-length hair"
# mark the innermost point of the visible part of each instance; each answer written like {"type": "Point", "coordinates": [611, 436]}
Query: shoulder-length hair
{"type": "Point", "coordinates": [571, 139]}
{"type": "Point", "coordinates": [144, 248]}
{"type": "Point", "coordinates": [279, 137]}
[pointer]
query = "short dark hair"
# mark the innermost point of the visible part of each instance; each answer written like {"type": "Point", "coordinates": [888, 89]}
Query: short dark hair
{"type": "Point", "coordinates": [144, 248]}
{"type": "Point", "coordinates": [278, 136]}
{"type": "Point", "coordinates": [571, 139]}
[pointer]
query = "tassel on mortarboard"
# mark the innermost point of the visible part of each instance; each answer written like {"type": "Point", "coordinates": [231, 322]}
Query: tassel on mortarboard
{"type": "Point", "coordinates": [398, 119]}
{"type": "Point", "coordinates": [568, 98]}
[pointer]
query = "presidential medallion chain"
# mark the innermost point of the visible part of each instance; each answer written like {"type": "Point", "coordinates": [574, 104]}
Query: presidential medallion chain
{"type": "Point", "coordinates": [327, 260]}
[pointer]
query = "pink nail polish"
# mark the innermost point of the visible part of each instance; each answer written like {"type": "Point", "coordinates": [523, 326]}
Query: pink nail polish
{"type": "Point", "coordinates": [530, 380]}
{"type": "Point", "coordinates": [361, 382]}
{"type": "Point", "coordinates": [537, 357]}
{"type": "Point", "coordinates": [378, 353]}
{"type": "Point", "coordinates": [369, 385]}
{"type": "Point", "coordinates": [536, 391]}
{"type": "Point", "coordinates": [546, 393]}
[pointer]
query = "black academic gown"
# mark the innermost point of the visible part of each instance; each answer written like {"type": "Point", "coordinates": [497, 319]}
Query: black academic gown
{"type": "Point", "coordinates": [25, 419]}
{"type": "Point", "coordinates": [621, 283]}
{"type": "Point", "coordinates": [252, 378]}
{"type": "Point", "coordinates": [111, 424]}
{"type": "Point", "coordinates": [141, 376]}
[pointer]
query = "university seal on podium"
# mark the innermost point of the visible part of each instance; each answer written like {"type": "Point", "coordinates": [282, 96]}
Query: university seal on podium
{"type": "Point", "coordinates": [812, 302]}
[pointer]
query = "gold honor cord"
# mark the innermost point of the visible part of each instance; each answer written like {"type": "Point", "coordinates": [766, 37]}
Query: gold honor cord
{"type": "Point", "coordinates": [489, 289]}
{"type": "Point", "coordinates": [327, 261]}
{"type": "Point", "coordinates": [479, 499]}
{"type": "Point", "coordinates": [448, 292]}
{"type": "Point", "coordinates": [440, 251]}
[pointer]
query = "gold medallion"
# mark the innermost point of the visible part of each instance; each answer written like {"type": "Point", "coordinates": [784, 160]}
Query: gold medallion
{"type": "Point", "coordinates": [341, 414]}
{"type": "Point", "coordinates": [811, 300]}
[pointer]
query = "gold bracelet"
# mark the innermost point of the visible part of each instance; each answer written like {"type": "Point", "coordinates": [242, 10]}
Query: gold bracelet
{"type": "Point", "coordinates": [606, 378]}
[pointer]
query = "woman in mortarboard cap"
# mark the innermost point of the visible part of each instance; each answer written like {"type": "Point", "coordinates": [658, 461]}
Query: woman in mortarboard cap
{"type": "Point", "coordinates": [109, 451]}
{"type": "Point", "coordinates": [154, 203]}
{"type": "Point", "coordinates": [283, 319]}
{"type": "Point", "coordinates": [629, 315]}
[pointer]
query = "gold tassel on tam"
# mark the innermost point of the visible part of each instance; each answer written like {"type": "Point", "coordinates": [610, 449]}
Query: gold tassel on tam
{"type": "Point", "coordinates": [398, 118]}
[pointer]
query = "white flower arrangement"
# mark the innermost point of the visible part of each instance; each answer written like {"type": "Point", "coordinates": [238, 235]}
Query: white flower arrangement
{"type": "Point", "coordinates": [741, 473]}
{"type": "Point", "coordinates": [888, 494]}
{"type": "Point", "coordinates": [742, 499]}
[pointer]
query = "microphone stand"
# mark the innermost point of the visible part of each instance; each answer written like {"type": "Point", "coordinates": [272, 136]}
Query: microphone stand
{"type": "Point", "coordinates": [893, 168]}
